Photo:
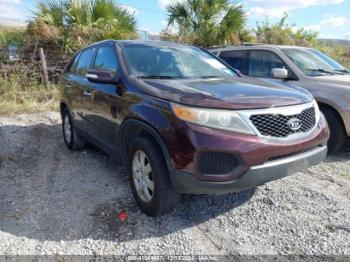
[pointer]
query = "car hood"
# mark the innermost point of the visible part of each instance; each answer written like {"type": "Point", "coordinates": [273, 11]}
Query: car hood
{"type": "Point", "coordinates": [341, 80]}
{"type": "Point", "coordinates": [225, 93]}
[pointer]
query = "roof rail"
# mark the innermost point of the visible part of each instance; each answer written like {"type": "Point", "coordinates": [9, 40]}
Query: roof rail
{"type": "Point", "coordinates": [252, 44]}
{"type": "Point", "coordinates": [242, 44]}
{"type": "Point", "coordinates": [216, 46]}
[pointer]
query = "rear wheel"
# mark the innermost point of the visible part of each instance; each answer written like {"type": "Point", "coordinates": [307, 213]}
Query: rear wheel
{"type": "Point", "coordinates": [337, 132]}
{"type": "Point", "coordinates": [149, 178]}
{"type": "Point", "coordinates": [71, 138]}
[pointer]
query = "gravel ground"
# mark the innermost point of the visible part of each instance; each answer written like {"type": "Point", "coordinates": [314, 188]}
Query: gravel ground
{"type": "Point", "coordinates": [53, 201]}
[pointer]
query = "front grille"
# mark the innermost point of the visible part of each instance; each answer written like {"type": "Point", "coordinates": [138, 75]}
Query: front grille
{"type": "Point", "coordinates": [216, 163]}
{"type": "Point", "coordinates": [276, 125]}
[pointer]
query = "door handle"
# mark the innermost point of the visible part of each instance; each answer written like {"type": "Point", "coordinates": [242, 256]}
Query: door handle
{"type": "Point", "coordinates": [87, 93]}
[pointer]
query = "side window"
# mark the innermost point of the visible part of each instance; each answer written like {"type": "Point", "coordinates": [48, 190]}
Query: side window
{"type": "Point", "coordinates": [84, 62]}
{"type": "Point", "coordinates": [73, 64]}
{"type": "Point", "coordinates": [262, 62]}
{"type": "Point", "coordinates": [235, 59]}
{"type": "Point", "coordinates": [106, 59]}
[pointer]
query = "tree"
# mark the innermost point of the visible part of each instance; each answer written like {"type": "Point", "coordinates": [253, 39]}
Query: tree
{"type": "Point", "coordinates": [282, 33]}
{"type": "Point", "coordinates": [76, 23]}
{"type": "Point", "coordinates": [206, 22]}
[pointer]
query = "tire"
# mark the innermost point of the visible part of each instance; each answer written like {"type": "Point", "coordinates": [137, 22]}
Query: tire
{"type": "Point", "coordinates": [337, 132]}
{"type": "Point", "coordinates": [163, 199]}
{"type": "Point", "coordinates": [71, 138]}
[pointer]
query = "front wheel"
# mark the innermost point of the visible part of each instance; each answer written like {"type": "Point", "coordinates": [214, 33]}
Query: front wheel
{"type": "Point", "coordinates": [337, 132]}
{"type": "Point", "coordinates": [149, 178]}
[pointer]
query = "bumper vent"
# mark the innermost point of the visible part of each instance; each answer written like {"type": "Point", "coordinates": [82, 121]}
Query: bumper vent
{"type": "Point", "coordinates": [216, 163]}
{"type": "Point", "coordinates": [277, 125]}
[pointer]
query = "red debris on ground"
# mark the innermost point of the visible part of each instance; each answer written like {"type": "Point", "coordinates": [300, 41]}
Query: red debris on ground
{"type": "Point", "coordinates": [123, 216]}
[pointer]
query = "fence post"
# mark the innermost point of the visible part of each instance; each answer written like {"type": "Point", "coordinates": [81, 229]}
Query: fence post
{"type": "Point", "coordinates": [45, 76]}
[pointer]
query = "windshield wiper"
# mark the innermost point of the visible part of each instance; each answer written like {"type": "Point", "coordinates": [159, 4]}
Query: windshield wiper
{"type": "Point", "coordinates": [156, 77]}
{"type": "Point", "coordinates": [322, 71]}
{"type": "Point", "coordinates": [212, 76]}
{"type": "Point", "coordinates": [342, 70]}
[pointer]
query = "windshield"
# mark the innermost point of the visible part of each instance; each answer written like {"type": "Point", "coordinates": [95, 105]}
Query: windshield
{"type": "Point", "coordinates": [313, 62]}
{"type": "Point", "coordinates": [149, 61]}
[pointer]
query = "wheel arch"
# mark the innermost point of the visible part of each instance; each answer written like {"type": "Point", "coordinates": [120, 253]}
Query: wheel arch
{"type": "Point", "coordinates": [63, 106]}
{"type": "Point", "coordinates": [334, 110]}
{"type": "Point", "coordinates": [132, 128]}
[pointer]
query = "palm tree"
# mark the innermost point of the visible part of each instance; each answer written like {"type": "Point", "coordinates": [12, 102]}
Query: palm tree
{"type": "Point", "coordinates": [51, 12]}
{"type": "Point", "coordinates": [206, 22]}
{"type": "Point", "coordinates": [80, 22]}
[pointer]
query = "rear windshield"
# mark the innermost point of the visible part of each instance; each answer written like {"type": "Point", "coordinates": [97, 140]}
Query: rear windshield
{"type": "Point", "coordinates": [165, 61]}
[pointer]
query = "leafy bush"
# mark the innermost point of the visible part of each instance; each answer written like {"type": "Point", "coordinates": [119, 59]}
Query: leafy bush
{"type": "Point", "coordinates": [338, 52]}
{"type": "Point", "coordinates": [282, 33]}
{"type": "Point", "coordinates": [10, 36]}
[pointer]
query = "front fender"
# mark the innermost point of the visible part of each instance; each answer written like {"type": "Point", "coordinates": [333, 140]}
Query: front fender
{"type": "Point", "coordinates": [150, 118]}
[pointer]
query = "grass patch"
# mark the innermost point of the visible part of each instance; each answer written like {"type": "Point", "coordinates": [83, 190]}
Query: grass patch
{"type": "Point", "coordinates": [29, 102]}
{"type": "Point", "coordinates": [21, 93]}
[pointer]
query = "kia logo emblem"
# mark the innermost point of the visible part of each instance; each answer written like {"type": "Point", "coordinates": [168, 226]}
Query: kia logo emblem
{"type": "Point", "coordinates": [294, 124]}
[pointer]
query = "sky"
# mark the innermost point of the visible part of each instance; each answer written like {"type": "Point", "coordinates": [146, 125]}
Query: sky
{"type": "Point", "coordinates": [331, 18]}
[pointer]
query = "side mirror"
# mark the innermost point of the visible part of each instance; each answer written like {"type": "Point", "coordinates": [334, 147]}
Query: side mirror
{"type": "Point", "coordinates": [101, 76]}
{"type": "Point", "coordinates": [279, 73]}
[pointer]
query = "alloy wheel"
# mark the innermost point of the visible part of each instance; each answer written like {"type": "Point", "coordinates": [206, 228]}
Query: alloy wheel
{"type": "Point", "coordinates": [142, 176]}
{"type": "Point", "coordinates": [67, 129]}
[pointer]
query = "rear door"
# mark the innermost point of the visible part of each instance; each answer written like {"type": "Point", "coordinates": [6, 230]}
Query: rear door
{"type": "Point", "coordinates": [105, 99]}
{"type": "Point", "coordinates": [80, 88]}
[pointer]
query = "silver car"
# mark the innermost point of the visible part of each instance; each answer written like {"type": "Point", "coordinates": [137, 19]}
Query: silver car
{"type": "Point", "coordinates": [326, 79]}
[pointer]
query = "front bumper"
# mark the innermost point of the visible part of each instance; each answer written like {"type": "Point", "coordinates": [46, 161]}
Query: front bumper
{"type": "Point", "coordinates": [257, 175]}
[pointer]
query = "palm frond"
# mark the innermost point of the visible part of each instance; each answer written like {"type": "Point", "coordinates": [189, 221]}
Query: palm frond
{"type": "Point", "coordinates": [84, 21]}
{"type": "Point", "coordinates": [206, 22]}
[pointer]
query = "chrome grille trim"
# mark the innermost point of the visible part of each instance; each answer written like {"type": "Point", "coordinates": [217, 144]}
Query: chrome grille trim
{"type": "Point", "coordinates": [284, 111]}
{"type": "Point", "coordinates": [276, 125]}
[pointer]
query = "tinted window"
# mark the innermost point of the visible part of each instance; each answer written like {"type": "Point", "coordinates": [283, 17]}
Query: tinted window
{"type": "Point", "coordinates": [74, 64]}
{"type": "Point", "coordinates": [235, 59]}
{"type": "Point", "coordinates": [262, 62]}
{"type": "Point", "coordinates": [106, 59]}
{"type": "Point", "coordinates": [84, 63]}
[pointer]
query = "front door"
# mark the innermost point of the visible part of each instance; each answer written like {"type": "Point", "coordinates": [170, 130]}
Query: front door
{"type": "Point", "coordinates": [104, 113]}
{"type": "Point", "coordinates": [261, 63]}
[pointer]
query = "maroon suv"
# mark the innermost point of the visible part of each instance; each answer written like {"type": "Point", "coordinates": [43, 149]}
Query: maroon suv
{"type": "Point", "coordinates": [182, 121]}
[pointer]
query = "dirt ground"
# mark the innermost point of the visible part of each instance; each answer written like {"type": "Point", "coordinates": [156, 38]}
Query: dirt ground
{"type": "Point", "coordinates": [53, 201]}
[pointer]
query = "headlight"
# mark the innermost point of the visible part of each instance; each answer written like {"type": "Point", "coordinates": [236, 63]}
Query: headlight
{"type": "Point", "coordinates": [215, 118]}
{"type": "Point", "coordinates": [317, 111]}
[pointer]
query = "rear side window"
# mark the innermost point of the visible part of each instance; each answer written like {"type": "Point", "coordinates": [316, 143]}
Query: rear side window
{"type": "Point", "coordinates": [262, 62]}
{"type": "Point", "coordinates": [106, 59]}
{"type": "Point", "coordinates": [236, 59]}
{"type": "Point", "coordinates": [73, 64]}
{"type": "Point", "coordinates": [85, 61]}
